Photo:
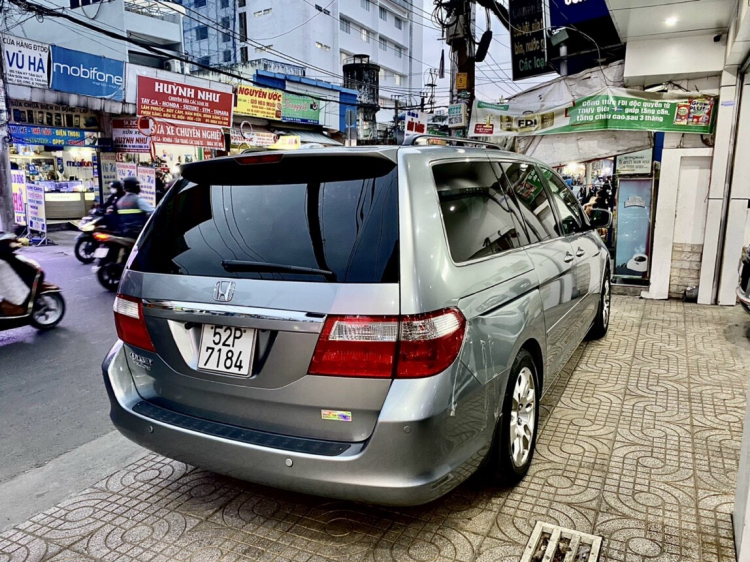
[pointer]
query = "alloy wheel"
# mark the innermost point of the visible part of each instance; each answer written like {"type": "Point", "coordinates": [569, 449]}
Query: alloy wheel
{"type": "Point", "coordinates": [522, 417]}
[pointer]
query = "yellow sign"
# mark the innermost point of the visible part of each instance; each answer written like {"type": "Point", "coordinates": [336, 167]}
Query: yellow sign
{"type": "Point", "coordinates": [462, 80]}
{"type": "Point", "coordinates": [287, 142]}
{"type": "Point", "coordinates": [258, 102]}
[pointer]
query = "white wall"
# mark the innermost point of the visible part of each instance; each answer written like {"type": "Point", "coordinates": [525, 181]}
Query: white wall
{"type": "Point", "coordinates": [658, 60]}
{"type": "Point", "coordinates": [692, 200]}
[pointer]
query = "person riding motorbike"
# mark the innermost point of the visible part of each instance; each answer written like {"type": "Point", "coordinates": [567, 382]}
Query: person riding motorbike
{"type": "Point", "coordinates": [116, 191]}
{"type": "Point", "coordinates": [13, 289]}
{"type": "Point", "coordinates": [132, 209]}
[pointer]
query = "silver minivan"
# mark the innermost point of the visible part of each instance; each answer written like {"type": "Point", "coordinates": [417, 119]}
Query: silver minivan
{"type": "Point", "coordinates": [372, 324]}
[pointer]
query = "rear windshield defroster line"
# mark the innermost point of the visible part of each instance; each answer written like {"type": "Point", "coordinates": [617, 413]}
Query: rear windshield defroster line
{"type": "Point", "coordinates": [331, 220]}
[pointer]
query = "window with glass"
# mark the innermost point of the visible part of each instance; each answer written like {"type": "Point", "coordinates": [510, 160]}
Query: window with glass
{"type": "Point", "coordinates": [365, 35]}
{"type": "Point", "coordinates": [243, 26]}
{"type": "Point", "coordinates": [383, 44]}
{"type": "Point", "coordinates": [568, 210]}
{"type": "Point", "coordinates": [398, 22]}
{"type": "Point", "coordinates": [535, 206]}
{"type": "Point", "coordinates": [398, 79]}
{"type": "Point", "coordinates": [399, 51]}
{"type": "Point", "coordinates": [224, 3]}
{"type": "Point", "coordinates": [481, 218]}
{"type": "Point", "coordinates": [243, 54]}
{"type": "Point", "coordinates": [227, 56]}
{"type": "Point", "coordinates": [365, 4]}
{"type": "Point", "coordinates": [201, 33]}
{"type": "Point", "coordinates": [383, 14]}
{"type": "Point", "coordinates": [200, 3]}
{"type": "Point", "coordinates": [345, 26]}
{"type": "Point", "coordinates": [241, 3]}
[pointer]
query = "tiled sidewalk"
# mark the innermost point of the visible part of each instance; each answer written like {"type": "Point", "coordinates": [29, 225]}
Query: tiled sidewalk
{"type": "Point", "coordinates": [639, 443]}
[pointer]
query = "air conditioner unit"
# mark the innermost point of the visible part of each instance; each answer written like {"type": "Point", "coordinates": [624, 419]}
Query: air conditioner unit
{"type": "Point", "coordinates": [178, 66]}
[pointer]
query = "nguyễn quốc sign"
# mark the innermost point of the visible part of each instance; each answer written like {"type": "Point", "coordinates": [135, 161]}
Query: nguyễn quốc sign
{"type": "Point", "coordinates": [608, 109]}
{"type": "Point", "coordinates": [88, 75]}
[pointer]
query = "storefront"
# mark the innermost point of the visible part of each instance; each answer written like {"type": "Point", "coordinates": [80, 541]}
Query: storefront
{"type": "Point", "coordinates": [56, 148]}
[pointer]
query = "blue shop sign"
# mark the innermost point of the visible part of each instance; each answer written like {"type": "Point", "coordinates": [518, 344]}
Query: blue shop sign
{"type": "Point", "coordinates": [88, 75]}
{"type": "Point", "coordinates": [568, 12]}
{"type": "Point", "coordinates": [51, 136]}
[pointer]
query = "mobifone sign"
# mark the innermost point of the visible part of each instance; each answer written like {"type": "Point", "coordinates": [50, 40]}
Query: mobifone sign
{"type": "Point", "coordinates": [88, 75]}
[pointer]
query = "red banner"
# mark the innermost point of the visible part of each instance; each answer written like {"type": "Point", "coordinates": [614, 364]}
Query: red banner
{"type": "Point", "coordinates": [189, 134]}
{"type": "Point", "coordinates": [183, 102]}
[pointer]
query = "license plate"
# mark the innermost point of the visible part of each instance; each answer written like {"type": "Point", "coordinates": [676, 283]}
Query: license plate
{"type": "Point", "coordinates": [226, 349]}
{"type": "Point", "coordinates": [101, 252]}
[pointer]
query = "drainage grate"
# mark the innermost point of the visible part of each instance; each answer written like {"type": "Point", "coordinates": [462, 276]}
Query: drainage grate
{"type": "Point", "coordinates": [550, 543]}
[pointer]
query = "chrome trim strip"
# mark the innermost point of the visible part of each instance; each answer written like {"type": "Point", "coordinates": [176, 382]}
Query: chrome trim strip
{"type": "Point", "coordinates": [228, 310]}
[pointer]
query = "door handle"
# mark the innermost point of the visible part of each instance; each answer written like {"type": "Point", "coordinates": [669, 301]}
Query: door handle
{"type": "Point", "coordinates": [580, 252]}
{"type": "Point", "coordinates": [569, 257]}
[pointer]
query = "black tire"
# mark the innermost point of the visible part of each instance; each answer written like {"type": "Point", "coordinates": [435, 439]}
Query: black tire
{"type": "Point", "coordinates": [84, 249]}
{"type": "Point", "coordinates": [109, 275]}
{"type": "Point", "coordinates": [47, 301]}
{"type": "Point", "coordinates": [600, 327]}
{"type": "Point", "coordinates": [504, 466]}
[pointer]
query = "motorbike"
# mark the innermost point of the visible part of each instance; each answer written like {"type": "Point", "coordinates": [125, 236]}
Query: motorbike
{"type": "Point", "coordinates": [45, 305]}
{"type": "Point", "coordinates": [85, 243]}
{"type": "Point", "coordinates": [111, 256]}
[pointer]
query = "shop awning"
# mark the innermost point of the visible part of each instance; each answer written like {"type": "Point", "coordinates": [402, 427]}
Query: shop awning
{"type": "Point", "coordinates": [312, 137]}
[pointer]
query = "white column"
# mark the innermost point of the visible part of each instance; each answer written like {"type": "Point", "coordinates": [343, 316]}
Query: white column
{"type": "Point", "coordinates": [725, 119]}
{"type": "Point", "coordinates": [738, 202]}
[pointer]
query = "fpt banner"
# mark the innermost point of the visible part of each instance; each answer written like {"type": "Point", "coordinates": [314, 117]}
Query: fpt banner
{"type": "Point", "coordinates": [608, 109]}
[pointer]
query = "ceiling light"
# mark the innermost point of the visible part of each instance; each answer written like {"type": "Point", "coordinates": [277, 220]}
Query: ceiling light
{"type": "Point", "coordinates": [671, 22]}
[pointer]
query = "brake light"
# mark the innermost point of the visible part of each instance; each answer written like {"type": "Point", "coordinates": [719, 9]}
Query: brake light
{"type": "Point", "coordinates": [101, 237]}
{"type": "Point", "coordinates": [260, 159]}
{"type": "Point", "coordinates": [379, 346]}
{"type": "Point", "coordinates": [130, 323]}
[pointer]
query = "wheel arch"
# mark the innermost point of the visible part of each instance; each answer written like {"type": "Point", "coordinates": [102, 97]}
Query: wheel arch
{"type": "Point", "coordinates": [535, 350]}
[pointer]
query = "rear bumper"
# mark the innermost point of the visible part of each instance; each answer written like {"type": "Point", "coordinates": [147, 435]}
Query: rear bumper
{"type": "Point", "coordinates": [396, 466]}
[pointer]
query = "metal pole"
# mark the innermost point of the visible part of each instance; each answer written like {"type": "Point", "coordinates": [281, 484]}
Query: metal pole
{"type": "Point", "coordinates": [6, 189]}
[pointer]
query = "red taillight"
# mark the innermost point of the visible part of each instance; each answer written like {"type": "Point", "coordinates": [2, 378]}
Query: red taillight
{"type": "Point", "coordinates": [366, 346]}
{"type": "Point", "coordinates": [101, 237]}
{"type": "Point", "coordinates": [362, 346]}
{"type": "Point", "coordinates": [130, 323]}
{"type": "Point", "coordinates": [260, 159]}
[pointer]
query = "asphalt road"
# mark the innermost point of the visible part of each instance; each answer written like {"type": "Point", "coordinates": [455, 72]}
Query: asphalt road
{"type": "Point", "coordinates": [52, 398]}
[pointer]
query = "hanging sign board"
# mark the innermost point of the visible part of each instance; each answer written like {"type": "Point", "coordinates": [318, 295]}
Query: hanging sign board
{"type": "Point", "coordinates": [127, 138]}
{"type": "Point", "coordinates": [416, 123]}
{"type": "Point", "coordinates": [147, 178]}
{"type": "Point", "coordinates": [300, 109]}
{"type": "Point", "coordinates": [125, 170]}
{"type": "Point", "coordinates": [51, 136]}
{"type": "Point", "coordinates": [527, 41]}
{"type": "Point", "coordinates": [608, 109]}
{"type": "Point", "coordinates": [18, 185]}
{"type": "Point", "coordinates": [26, 62]}
{"type": "Point", "coordinates": [634, 163]}
{"type": "Point", "coordinates": [259, 102]}
{"type": "Point", "coordinates": [457, 115]}
{"type": "Point", "coordinates": [81, 73]}
{"type": "Point", "coordinates": [183, 102]}
{"type": "Point", "coordinates": [37, 218]}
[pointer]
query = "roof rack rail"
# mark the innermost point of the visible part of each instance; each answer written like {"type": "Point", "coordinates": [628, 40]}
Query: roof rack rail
{"type": "Point", "coordinates": [421, 140]}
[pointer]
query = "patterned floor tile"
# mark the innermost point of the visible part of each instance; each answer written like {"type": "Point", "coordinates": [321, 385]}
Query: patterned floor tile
{"type": "Point", "coordinates": [639, 443]}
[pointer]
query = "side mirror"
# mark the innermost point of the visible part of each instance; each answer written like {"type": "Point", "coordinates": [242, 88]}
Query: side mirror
{"type": "Point", "coordinates": [600, 218]}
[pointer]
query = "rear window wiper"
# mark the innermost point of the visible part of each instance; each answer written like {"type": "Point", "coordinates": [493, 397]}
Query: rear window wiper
{"type": "Point", "coordinates": [242, 266]}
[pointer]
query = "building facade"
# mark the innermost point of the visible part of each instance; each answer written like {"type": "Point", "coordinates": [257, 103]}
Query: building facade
{"type": "Point", "coordinates": [318, 36]}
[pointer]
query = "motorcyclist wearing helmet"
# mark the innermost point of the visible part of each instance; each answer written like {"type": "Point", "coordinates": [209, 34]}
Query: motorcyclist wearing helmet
{"type": "Point", "coordinates": [115, 192]}
{"type": "Point", "coordinates": [132, 209]}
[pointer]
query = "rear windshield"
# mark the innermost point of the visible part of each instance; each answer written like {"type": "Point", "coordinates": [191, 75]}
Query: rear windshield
{"type": "Point", "coordinates": [317, 220]}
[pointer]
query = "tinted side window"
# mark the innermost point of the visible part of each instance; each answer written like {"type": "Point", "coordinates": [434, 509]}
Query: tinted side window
{"type": "Point", "coordinates": [568, 209]}
{"type": "Point", "coordinates": [480, 218]}
{"type": "Point", "coordinates": [532, 198]}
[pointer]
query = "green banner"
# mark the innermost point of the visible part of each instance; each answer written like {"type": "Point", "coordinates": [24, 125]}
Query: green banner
{"type": "Point", "coordinates": [608, 109]}
{"type": "Point", "coordinates": [300, 109]}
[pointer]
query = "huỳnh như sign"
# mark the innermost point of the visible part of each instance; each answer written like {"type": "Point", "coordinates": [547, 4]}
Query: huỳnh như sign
{"type": "Point", "coordinates": [607, 109]}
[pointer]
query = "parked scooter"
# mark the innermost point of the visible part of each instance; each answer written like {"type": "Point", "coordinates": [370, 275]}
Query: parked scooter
{"type": "Point", "coordinates": [45, 307]}
{"type": "Point", "coordinates": [111, 255]}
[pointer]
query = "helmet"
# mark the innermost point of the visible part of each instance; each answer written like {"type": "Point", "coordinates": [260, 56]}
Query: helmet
{"type": "Point", "coordinates": [132, 185]}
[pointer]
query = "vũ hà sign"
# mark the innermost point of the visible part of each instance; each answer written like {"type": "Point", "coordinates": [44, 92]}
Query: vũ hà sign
{"type": "Point", "coordinates": [183, 102]}
{"type": "Point", "coordinates": [608, 109]}
{"type": "Point", "coordinates": [26, 62]}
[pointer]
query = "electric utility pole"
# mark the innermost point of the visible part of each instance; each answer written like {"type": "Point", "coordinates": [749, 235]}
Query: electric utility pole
{"type": "Point", "coordinates": [458, 29]}
{"type": "Point", "coordinates": [6, 188]}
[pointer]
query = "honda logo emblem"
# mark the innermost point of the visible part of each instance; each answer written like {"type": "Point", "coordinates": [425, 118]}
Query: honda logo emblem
{"type": "Point", "coordinates": [224, 291]}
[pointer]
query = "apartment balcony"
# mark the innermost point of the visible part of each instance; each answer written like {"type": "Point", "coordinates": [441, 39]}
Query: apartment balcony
{"type": "Point", "coordinates": [157, 23]}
